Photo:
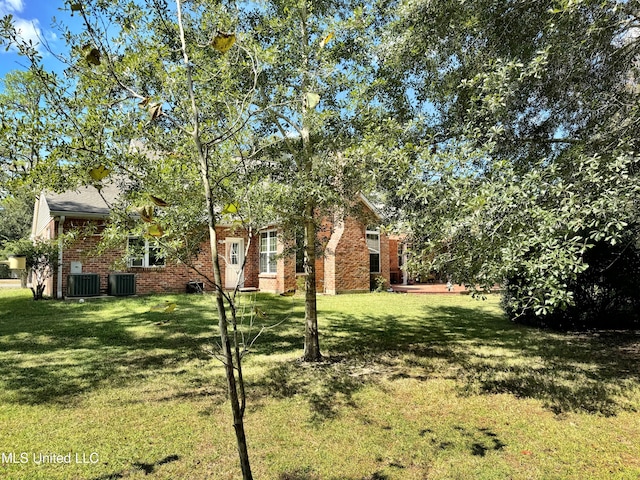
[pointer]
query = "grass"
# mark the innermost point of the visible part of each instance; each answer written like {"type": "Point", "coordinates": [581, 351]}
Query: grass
{"type": "Point", "coordinates": [413, 387]}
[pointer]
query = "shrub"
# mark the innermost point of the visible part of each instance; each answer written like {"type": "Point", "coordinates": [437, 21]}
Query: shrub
{"type": "Point", "coordinates": [41, 260]}
{"type": "Point", "coordinates": [378, 283]}
{"type": "Point", "coordinates": [605, 295]}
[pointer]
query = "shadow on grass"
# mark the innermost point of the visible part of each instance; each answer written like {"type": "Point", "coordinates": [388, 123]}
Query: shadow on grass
{"type": "Point", "coordinates": [328, 385]}
{"type": "Point", "coordinates": [308, 474]}
{"type": "Point", "coordinates": [147, 468]}
{"type": "Point", "coordinates": [55, 351]}
{"type": "Point", "coordinates": [597, 373]}
{"type": "Point", "coordinates": [52, 352]}
{"type": "Point", "coordinates": [593, 372]}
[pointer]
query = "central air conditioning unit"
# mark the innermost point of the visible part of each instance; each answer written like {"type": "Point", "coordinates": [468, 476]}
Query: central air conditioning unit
{"type": "Point", "coordinates": [83, 285]}
{"type": "Point", "coordinates": [122, 284]}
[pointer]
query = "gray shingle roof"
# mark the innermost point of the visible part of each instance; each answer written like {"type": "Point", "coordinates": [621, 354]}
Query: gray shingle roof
{"type": "Point", "coordinates": [84, 201]}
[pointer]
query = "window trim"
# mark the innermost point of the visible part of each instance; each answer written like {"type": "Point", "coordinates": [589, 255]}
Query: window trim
{"type": "Point", "coordinates": [272, 250]}
{"type": "Point", "coordinates": [144, 259]}
{"type": "Point", "coordinates": [373, 251]}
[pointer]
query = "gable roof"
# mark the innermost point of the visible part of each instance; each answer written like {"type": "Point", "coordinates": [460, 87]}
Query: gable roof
{"type": "Point", "coordinates": [90, 203]}
{"type": "Point", "coordinates": [84, 201]}
{"type": "Point", "coordinates": [367, 203]}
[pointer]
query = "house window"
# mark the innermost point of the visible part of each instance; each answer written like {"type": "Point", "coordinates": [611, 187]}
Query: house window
{"type": "Point", "coordinates": [268, 242]}
{"type": "Point", "coordinates": [143, 254]}
{"type": "Point", "coordinates": [234, 254]}
{"type": "Point", "coordinates": [373, 242]}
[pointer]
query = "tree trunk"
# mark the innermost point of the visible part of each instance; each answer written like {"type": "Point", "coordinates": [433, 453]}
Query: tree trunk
{"type": "Point", "coordinates": [229, 364]}
{"type": "Point", "coordinates": [38, 291]}
{"type": "Point", "coordinates": [311, 340]}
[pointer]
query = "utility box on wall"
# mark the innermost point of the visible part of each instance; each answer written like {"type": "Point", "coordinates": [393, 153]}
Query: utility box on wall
{"type": "Point", "coordinates": [17, 262]}
{"type": "Point", "coordinates": [122, 284]}
{"type": "Point", "coordinates": [83, 285]}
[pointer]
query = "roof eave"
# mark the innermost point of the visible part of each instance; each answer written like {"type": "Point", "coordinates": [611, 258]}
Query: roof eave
{"type": "Point", "coordinates": [370, 206]}
{"type": "Point", "coordinates": [82, 215]}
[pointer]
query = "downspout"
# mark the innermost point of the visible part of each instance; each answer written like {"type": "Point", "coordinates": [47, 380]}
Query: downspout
{"type": "Point", "coordinates": [405, 272]}
{"type": "Point", "coordinates": [60, 232]}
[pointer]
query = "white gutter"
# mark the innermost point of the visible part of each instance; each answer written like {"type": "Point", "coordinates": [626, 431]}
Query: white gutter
{"type": "Point", "coordinates": [60, 232]}
{"type": "Point", "coordinates": [405, 257]}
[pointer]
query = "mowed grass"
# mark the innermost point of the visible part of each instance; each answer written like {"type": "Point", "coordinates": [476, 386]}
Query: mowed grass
{"type": "Point", "coordinates": [413, 387]}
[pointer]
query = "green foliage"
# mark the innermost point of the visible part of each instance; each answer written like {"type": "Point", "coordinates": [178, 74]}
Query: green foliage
{"type": "Point", "coordinates": [605, 295]}
{"type": "Point", "coordinates": [32, 137]}
{"type": "Point", "coordinates": [315, 64]}
{"type": "Point", "coordinates": [528, 158]}
{"type": "Point", "coordinates": [378, 283]}
{"type": "Point", "coordinates": [311, 94]}
{"type": "Point", "coordinates": [15, 217]}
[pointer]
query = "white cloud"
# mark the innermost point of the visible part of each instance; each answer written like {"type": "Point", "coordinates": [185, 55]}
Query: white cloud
{"type": "Point", "coordinates": [11, 6]}
{"type": "Point", "coordinates": [27, 29]}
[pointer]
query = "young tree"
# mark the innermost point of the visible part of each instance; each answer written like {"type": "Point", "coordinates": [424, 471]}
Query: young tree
{"type": "Point", "coordinates": [312, 95]}
{"type": "Point", "coordinates": [178, 80]}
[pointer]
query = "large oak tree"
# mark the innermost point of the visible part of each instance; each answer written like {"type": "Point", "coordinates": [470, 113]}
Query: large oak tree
{"type": "Point", "coordinates": [527, 170]}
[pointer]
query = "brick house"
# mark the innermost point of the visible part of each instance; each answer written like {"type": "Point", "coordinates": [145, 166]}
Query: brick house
{"type": "Point", "coordinates": [353, 254]}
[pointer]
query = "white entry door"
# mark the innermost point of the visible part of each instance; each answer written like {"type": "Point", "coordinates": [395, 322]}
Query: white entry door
{"type": "Point", "coordinates": [235, 259]}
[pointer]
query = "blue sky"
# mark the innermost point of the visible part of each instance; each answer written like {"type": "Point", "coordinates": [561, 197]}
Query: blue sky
{"type": "Point", "coordinates": [33, 19]}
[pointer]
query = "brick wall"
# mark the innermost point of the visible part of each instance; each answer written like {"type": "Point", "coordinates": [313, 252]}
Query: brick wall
{"type": "Point", "coordinates": [347, 258]}
{"type": "Point", "coordinates": [342, 262]}
{"type": "Point", "coordinates": [330, 258]}
{"type": "Point", "coordinates": [385, 259]}
{"type": "Point", "coordinates": [394, 268]}
{"type": "Point", "coordinates": [170, 278]}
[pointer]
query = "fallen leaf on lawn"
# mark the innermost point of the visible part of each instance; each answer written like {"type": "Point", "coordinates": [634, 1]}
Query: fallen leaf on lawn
{"type": "Point", "coordinates": [259, 313]}
{"type": "Point", "coordinates": [164, 307]}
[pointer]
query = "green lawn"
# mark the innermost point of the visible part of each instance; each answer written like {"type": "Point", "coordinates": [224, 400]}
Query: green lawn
{"type": "Point", "coordinates": [414, 387]}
